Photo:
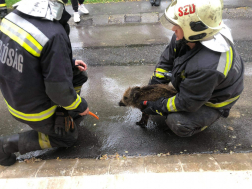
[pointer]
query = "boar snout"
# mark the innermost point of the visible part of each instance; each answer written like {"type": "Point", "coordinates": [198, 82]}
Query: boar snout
{"type": "Point", "coordinates": [121, 103]}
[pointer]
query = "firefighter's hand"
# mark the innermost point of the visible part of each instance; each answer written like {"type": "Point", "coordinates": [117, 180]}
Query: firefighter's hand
{"type": "Point", "coordinates": [60, 129]}
{"type": "Point", "coordinates": [155, 107]}
{"type": "Point", "coordinates": [81, 65]}
{"type": "Point", "coordinates": [63, 122]}
{"type": "Point", "coordinates": [85, 112]}
{"type": "Point", "coordinates": [59, 124]}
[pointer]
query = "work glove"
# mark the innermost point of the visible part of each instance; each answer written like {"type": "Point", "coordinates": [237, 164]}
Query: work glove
{"type": "Point", "coordinates": [155, 107]}
{"type": "Point", "coordinates": [63, 122]}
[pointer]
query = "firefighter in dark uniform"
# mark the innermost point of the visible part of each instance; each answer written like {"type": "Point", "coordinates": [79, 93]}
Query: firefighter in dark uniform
{"type": "Point", "coordinates": [3, 9]}
{"type": "Point", "coordinates": [39, 80]}
{"type": "Point", "coordinates": [206, 70]}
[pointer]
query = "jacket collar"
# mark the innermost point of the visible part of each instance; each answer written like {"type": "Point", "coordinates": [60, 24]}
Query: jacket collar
{"type": "Point", "coordinates": [221, 41]}
{"type": "Point", "coordinates": [189, 53]}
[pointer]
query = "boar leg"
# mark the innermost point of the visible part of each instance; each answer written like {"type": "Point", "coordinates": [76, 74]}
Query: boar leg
{"type": "Point", "coordinates": [144, 120]}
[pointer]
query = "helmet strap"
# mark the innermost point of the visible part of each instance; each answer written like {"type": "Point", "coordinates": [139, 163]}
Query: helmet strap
{"type": "Point", "coordinates": [181, 42]}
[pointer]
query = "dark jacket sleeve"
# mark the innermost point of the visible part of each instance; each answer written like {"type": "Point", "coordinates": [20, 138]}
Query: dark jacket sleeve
{"type": "Point", "coordinates": [56, 63]}
{"type": "Point", "coordinates": [73, 63]}
{"type": "Point", "coordinates": [165, 63]}
{"type": "Point", "coordinates": [195, 91]}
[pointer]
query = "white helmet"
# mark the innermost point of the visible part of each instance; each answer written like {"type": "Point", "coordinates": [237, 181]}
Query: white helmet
{"type": "Point", "coordinates": [47, 9]}
{"type": "Point", "coordinates": [199, 19]}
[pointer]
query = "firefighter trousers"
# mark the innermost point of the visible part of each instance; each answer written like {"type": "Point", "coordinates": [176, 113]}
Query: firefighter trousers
{"type": "Point", "coordinates": [186, 124]}
{"type": "Point", "coordinates": [75, 4]}
{"type": "Point", "coordinates": [43, 136]}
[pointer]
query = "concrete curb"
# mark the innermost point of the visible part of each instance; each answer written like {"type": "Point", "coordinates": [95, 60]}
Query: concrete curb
{"type": "Point", "coordinates": [114, 165]}
{"type": "Point", "coordinates": [101, 20]}
{"type": "Point", "coordinates": [198, 170]}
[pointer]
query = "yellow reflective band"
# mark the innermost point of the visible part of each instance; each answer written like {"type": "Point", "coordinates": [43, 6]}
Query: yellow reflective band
{"type": "Point", "coordinates": [182, 75]}
{"type": "Point", "coordinates": [44, 141]}
{"type": "Point", "coordinates": [203, 128]}
{"type": "Point", "coordinates": [160, 75]}
{"type": "Point", "coordinates": [222, 104]}
{"type": "Point", "coordinates": [77, 89]}
{"type": "Point", "coordinates": [171, 107]}
{"type": "Point", "coordinates": [159, 113]}
{"type": "Point", "coordinates": [21, 37]}
{"type": "Point", "coordinates": [175, 50]}
{"type": "Point", "coordinates": [32, 117]}
{"type": "Point", "coordinates": [3, 5]}
{"type": "Point", "coordinates": [168, 105]}
{"type": "Point", "coordinates": [231, 58]}
{"type": "Point", "coordinates": [74, 105]}
{"type": "Point", "coordinates": [24, 24]}
{"type": "Point", "coordinates": [173, 104]}
{"type": "Point", "coordinates": [227, 64]}
{"type": "Point", "coordinates": [161, 70]}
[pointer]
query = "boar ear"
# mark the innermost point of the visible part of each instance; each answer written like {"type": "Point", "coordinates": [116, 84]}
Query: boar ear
{"type": "Point", "coordinates": [135, 93]}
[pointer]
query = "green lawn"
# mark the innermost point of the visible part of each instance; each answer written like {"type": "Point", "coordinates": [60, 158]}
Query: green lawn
{"type": "Point", "coordinates": [11, 2]}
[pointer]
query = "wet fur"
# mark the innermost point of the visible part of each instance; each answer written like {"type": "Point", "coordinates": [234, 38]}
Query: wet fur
{"type": "Point", "coordinates": [133, 97]}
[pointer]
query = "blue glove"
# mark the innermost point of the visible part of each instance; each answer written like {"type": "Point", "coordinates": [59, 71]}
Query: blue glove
{"type": "Point", "coordinates": [155, 107]}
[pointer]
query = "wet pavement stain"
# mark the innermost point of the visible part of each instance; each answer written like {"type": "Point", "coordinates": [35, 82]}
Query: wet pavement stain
{"type": "Point", "coordinates": [116, 131]}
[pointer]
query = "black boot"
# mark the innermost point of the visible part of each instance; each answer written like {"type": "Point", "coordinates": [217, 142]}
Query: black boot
{"type": "Point", "coordinates": [157, 2]}
{"type": "Point", "coordinates": [8, 145]}
{"type": "Point", "coordinates": [152, 2]}
{"type": "Point", "coordinates": [3, 13]}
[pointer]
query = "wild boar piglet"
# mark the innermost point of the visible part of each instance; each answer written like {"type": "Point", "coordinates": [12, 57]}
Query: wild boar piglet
{"type": "Point", "coordinates": [133, 97]}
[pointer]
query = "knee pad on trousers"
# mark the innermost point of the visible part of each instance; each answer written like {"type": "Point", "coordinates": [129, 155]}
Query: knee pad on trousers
{"type": "Point", "coordinates": [83, 77]}
{"type": "Point", "coordinates": [178, 128]}
{"type": "Point", "coordinates": [65, 141]}
{"type": "Point", "coordinates": [28, 141]}
{"type": "Point", "coordinates": [80, 78]}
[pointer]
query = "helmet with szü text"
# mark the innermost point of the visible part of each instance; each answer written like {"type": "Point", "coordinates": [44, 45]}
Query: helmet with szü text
{"type": "Point", "coordinates": [199, 19]}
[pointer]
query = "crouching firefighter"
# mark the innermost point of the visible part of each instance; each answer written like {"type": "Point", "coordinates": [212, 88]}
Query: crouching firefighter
{"type": "Point", "coordinates": [39, 80]}
{"type": "Point", "coordinates": [206, 69]}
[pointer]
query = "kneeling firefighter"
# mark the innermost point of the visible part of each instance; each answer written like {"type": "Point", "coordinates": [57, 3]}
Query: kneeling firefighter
{"type": "Point", "coordinates": [39, 80]}
{"type": "Point", "coordinates": [206, 69]}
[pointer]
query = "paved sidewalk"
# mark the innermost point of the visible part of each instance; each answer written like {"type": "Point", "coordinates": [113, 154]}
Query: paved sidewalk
{"type": "Point", "coordinates": [162, 171]}
{"type": "Point", "coordinates": [142, 12]}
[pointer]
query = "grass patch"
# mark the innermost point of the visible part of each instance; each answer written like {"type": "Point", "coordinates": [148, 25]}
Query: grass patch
{"type": "Point", "coordinates": [11, 2]}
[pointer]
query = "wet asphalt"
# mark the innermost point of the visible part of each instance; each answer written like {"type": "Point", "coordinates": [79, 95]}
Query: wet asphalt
{"type": "Point", "coordinates": [119, 56]}
{"type": "Point", "coordinates": [116, 131]}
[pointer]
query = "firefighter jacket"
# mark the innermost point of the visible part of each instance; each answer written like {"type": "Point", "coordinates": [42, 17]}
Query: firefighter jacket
{"type": "Point", "coordinates": [36, 68]}
{"type": "Point", "coordinates": [201, 77]}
